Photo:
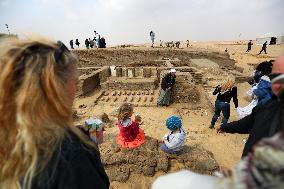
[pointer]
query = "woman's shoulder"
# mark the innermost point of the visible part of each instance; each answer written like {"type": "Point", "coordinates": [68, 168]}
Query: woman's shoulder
{"type": "Point", "coordinates": [70, 159]}
{"type": "Point", "coordinates": [72, 147]}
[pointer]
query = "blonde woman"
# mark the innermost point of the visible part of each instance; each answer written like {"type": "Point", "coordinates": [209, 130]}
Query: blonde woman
{"type": "Point", "coordinates": [39, 146]}
{"type": "Point", "coordinates": [226, 91]}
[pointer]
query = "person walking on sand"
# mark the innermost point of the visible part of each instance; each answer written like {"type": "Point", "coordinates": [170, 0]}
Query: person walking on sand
{"type": "Point", "coordinates": [152, 35]}
{"type": "Point", "coordinates": [264, 47]}
{"type": "Point", "coordinates": [77, 43]}
{"type": "Point", "coordinates": [187, 43]}
{"type": "Point", "coordinates": [249, 45]}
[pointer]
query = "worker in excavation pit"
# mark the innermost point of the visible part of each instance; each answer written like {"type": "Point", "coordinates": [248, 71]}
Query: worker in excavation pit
{"type": "Point", "coordinates": [167, 84]}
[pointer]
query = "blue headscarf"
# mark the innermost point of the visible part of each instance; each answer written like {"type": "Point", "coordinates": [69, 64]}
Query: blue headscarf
{"type": "Point", "coordinates": [173, 123]}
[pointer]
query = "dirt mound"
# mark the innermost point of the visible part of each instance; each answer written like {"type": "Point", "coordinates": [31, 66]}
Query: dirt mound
{"type": "Point", "coordinates": [107, 57]}
{"type": "Point", "coordinates": [148, 159]}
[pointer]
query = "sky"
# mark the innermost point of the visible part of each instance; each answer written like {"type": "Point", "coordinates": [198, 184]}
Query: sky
{"type": "Point", "coordinates": [130, 21]}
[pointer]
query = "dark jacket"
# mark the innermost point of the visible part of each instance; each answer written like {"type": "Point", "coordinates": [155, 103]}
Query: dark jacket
{"type": "Point", "coordinates": [73, 166]}
{"type": "Point", "coordinates": [227, 96]}
{"type": "Point", "coordinates": [168, 81]}
{"type": "Point", "coordinates": [264, 121]}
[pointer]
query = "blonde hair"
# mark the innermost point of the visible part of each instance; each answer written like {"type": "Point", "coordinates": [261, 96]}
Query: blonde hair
{"type": "Point", "coordinates": [125, 111]}
{"type": "Point", "coordinates": [227, 85]}
{"type": "Point", "coordinates": [35, 109]}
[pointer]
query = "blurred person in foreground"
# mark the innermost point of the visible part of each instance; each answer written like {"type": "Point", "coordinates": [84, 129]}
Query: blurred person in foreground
{"type": "Point", "coordinates": [40, 147]}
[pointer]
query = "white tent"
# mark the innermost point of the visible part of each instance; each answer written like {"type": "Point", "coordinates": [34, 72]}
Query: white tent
{"type": "Point", "coordinates": [280, 40]}
{"type": "Point", "coordinates": [267, 37]}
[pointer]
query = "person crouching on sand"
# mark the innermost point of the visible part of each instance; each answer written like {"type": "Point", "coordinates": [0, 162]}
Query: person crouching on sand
{"type": "Point", "coordinates": [175, 140]}
{"type": "Point", "coordinates": [130, 134]}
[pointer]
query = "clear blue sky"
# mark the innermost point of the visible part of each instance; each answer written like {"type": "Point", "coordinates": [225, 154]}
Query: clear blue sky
{"type": "Point", "coordinates": [129, 21]}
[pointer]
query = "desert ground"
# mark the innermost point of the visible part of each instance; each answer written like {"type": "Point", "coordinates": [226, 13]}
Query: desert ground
{"type": "Point", "coordinates": [195, 107]}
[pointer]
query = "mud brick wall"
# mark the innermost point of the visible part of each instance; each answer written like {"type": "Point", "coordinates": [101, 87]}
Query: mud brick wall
{"type": "Point", "coordinates": [88, 83]}
{"type": "Point", "coordinates": [147, 84]}
{"type": "Point", "coordinates": [141, 72]}
{"type": "Point", "coordinates": [195, 73]}
{"type": "Point", "coordinates": [87, 70]}
{"type": "Point", "coordinates": [104, 74]}
{"type": "Point", "coordinates": [185, 90]}
{"type": "Point", "coordinates": [147, 72]}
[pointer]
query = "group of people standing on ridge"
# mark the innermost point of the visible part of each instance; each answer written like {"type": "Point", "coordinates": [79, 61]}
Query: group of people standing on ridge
{"type": "Point", "coordinates": [96, 42]}
{"type": "Point", "coordinates": [167, 44]}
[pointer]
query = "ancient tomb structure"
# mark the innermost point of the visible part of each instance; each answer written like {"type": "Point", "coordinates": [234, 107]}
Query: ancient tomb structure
{"type": "Point", "coordinates": [138, 81]}
{"type": "Point", "coordinates": [139, 85]}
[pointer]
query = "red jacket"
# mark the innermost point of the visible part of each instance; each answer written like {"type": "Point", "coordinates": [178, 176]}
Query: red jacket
{"type": "Point", "coordinates": [129, 132]}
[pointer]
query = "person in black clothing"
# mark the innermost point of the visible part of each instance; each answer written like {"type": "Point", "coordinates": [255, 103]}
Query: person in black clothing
{"type": "Point", "coordinates": [265, 119]}
{"type": "Point", "coordinates": [225, 92]}
{"type": "Point", "coordinates": [77, 43]}
{"type": "Point", "coordinates": [87, 43]}
{"type": "Point", "coordinates": [91, 43]}
{"type": "Point", "coordinates": [177, 44]}
{"type": "Point", "coordinates": [264, 47]}
{"type": "Point", "coordinates": [103, 42]}
{"type": "Point", "coordinates": [73, 166]}
{"type": "Point", "coordinates": [99, 41]}
{"type": "Point", "coordinates": [249, 46]}
{"type": "Point", "coordinates": [264, 68]}
{"type": "Point", "coordinates": [167, 84]}
{"type": "Point", "coordinates": [40, 148]}
{"type": "Point", "coordinates": [71, 44]}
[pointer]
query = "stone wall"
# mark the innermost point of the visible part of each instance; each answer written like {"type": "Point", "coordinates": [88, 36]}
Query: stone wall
{"type": "Point", "coordinates": [185, 89]}
{"type": "Point", "coordinates": [123, 83]}
{"type": "Point", "coordinates": [88, 83]}
{"type": "Point", "coordinates": [87, 70]}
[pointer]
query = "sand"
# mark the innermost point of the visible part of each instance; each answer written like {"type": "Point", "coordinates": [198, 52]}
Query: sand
{"type": "Point", "coordinates": [226, 148]}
